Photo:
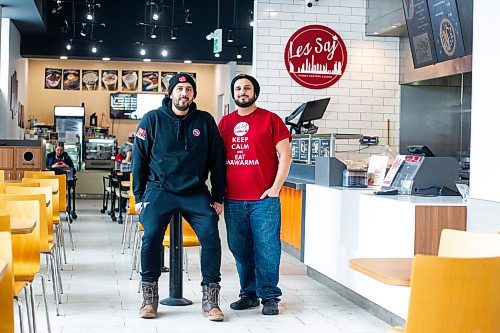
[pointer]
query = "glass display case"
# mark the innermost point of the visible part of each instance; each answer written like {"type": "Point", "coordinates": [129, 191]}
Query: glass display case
{"type": "Point", "coordinates": [99, 153]}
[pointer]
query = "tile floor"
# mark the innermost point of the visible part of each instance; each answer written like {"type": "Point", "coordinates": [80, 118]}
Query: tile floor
{"type": "Point", "coordinates": [99, 297]}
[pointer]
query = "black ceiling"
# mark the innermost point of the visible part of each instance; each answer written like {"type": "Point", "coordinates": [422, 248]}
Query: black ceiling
{"type": "Point", "coordinates": [118, 39]}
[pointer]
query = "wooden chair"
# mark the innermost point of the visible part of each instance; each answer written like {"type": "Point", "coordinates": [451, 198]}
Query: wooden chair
{"type": "Point", "coordinates": [466, 244]}
{"type": "Point", "coordinates": [48, 244]}
{"type": "Point", "coordinates": [7, 278]}
{"type": "Point", "coordinates": [2, 175]}
{"type": "Point", "coordinates": [63, 200]}
{"type": "Point", "coordinates": [32, 174]}
{"type": "Point", "coordinates": [25, 248]}
{"type": "Point", "coordinates": [455, 295]}
{"type": "Point", "coordinates": [4, 185]}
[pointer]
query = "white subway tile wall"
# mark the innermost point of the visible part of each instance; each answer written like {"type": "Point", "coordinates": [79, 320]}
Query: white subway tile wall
{"type": "Point", "coordinates": [362, 101]}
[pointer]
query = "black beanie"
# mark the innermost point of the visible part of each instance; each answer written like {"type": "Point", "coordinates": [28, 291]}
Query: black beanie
{"type": "Point", "coordinates": [256, 86]}
{"type": "Point", "coordinates": [181, 78]}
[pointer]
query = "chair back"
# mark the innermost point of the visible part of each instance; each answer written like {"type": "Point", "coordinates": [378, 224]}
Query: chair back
{"type": "Point", "coordinates": [62, 188]}
{"type": "Point", "coordinates": [54, 183]}
{"type": "Point", "coordinates": [2, 175]}
{"type": "Point", "coordinates": [459, 295]}
{"type": "Point", "coordinates": [466, 244]}
{"type": "Point", "coordinates": [4, 185]}
{"type": "Point", "coordinates": [7, 281]}
{"type": "Point", "coordinates": [25, 247]}
{"type": "Point", "coordinates": [189, 238]}
{"type": "Point", "coordinates": [44, 195]}
{"type": "Point", "coordinates": [32, 174]}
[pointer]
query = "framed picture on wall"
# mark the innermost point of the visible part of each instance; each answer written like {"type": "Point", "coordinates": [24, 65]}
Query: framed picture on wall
{"type": "Point", "coordinates": [109, 79]}
{"type": "Point", "coordinates": [150, 81]}
{"type": "Point", "coordinates": [165, 77]}
{"type": "Point", "coordinates": [53, 78]}
{"type": "Point", "coordinates": [129, 80]}
{"type": "Point", "coordinates": [71, 79]}
{"type": "Point", "coordinates": [90, 79]}
{"type": "Point", "coordinates": [13, 93]}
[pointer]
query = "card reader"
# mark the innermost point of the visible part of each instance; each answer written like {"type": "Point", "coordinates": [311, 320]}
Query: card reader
{"type": "Point", "coordinates": [386, 191]}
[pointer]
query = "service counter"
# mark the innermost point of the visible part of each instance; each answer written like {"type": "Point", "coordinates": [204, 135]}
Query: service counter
{"type": "Point", "coordinates": [341, 224]}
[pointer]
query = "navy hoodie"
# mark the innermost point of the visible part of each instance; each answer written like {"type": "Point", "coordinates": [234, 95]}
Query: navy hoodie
{"type": "Point", "coordinates": [176, 153]}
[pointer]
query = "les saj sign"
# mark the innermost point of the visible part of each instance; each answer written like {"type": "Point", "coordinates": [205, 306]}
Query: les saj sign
{"type": "Point", "coordinates": [315, 57]}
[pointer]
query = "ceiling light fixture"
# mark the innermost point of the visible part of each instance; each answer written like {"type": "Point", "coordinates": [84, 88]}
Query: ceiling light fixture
{"type": "Point", "coordinates": [239, 56]}
{"type": "Point", "coordinates": [106, 59]}
{"type": "Point", "coordinates": [146, 60]}
{"type": "Point", "coordinates": [94, 49]}
{"type": "Point", "coordinates": [164, 52]}
{"type": "Point", "coordinates": [142, 51]}
{"type": "Point", "coordinates": [187, 61]}
{"type": "Point", "coordinates": [189, 19]}
{"type": "Point", "coordinates": [58, 9]}
{"type": "Point", "coordinates": [156, 12]}
{"type": "Point", "coordinates": [83, 32]}
{"type": "Point", "coordinates": [376, 33]}
{"type": "Point", "coordinates": [90, 15]}
{"type": "Point", "coordinates": [69, 45]}
{"type": "Point", "coordinates": [172, 34]}
{"type": "Point", "coordinates": [63, 57]}
{"type": "Point", "coordinates": [250, 12]}
{"type": "Point", "coordinates": [394, 26]}
{"type": "Point", "coordinates": [217, 55]}
{"type": "Point", "coordinates": [153, 32]}
{"type": "Point", "coordinates": [230, 38]}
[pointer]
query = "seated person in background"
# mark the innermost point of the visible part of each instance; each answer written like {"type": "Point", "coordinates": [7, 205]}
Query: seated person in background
{"type": "Point", "coordinates": [59, 158]}
{"type": "Point", "coordinates": [125, 152]}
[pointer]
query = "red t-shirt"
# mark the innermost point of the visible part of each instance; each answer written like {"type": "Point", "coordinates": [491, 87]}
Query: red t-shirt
{"type": "Point", "coordinates": [251, 159]}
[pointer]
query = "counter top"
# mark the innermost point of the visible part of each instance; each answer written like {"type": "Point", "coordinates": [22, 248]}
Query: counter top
{"type": "Point", "coordinates": [297, 183]}
{"type": "Point", "coordinates": [418, 200]}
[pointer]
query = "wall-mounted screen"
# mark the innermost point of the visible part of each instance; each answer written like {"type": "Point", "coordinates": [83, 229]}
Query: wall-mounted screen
{"type": "Point", "coordinates": [447, 31]}
{"type": "Point", "coordinates": [418, 23]}
{"type": "Point", "coordinates": [133, 106]}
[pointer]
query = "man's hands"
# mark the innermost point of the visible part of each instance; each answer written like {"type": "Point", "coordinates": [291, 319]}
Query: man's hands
{"type": "Point", "coordinates": [138, 207]}
{"type": "Point", "coordinates": [59, 165]}
{"type": "Point", "coordinates": [218, 208]}
{"type": "Point", "coordinates": [271, 192]}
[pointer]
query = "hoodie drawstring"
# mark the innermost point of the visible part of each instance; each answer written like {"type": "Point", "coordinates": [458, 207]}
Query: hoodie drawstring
{"type": "Point", "coordinates": [181, 128]}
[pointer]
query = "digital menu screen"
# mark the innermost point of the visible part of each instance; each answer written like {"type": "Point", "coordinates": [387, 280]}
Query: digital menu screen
{"type": "Point", "coordinates": [122, 105]}
{"type": "Point", "coordinates": [418, 23]}
{"type": "Point", "coordinates": [446, 28]}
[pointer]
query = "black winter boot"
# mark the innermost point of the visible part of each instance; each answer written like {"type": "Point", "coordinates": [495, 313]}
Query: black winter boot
{"type": "Point", "coordinates": [210, 302]}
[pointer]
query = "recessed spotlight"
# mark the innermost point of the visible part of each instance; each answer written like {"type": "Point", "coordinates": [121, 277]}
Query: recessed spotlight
{"type": "Point", "coordinates": [376, 33]}
{"type": "Point", "coordinates": [188, 61]}
{"type": "Point", "coordinates": [63, 57]}
{"type": "Point", "coordinates": [106, 59]}
{"type": "Point", "coordinates": [146, 60]}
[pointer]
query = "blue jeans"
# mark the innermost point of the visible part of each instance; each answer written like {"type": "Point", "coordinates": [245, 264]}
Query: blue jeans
{"type": "Point", "coordinates": [253, 234]}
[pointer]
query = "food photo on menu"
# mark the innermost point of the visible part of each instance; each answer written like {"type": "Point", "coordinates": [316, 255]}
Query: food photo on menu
{"type": "Point", "coordinates": [90, 79]}
{"type": "Point", "coordinates": [150, 81]}
{"type": "Point", "coordinates": [129, 80]}
{"type": "Point", "coordinates": [71, 79]}
{"type": "Point", "coordinates": [53, 78]}
{"type": "Point", "coordinates": [109, 80]}
{"type": "Point", "coordinates": [165, 77]}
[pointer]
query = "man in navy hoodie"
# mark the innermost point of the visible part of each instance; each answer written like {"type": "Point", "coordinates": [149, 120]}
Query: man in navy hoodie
{"type": "Point", "coordinates": [175, 148]}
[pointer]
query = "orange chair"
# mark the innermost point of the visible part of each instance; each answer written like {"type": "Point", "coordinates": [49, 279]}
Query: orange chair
{"type": "Point", "coordinates": [32, 174]}
{"type": "Point", "coordinates": [2, 175]}
{"type": "Point", "coordinates": [6, 277]}
{"type": "Point", "coordinates": [25, 247]}
{"type": "Point", "coordinates": [455, 295]}
{"type": "Point", "coordinates": [4, 185]}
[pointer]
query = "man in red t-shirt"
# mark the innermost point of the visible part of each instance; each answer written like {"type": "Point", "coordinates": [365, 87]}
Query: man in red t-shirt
{"type": "Point", "coordinates": [258, 158]}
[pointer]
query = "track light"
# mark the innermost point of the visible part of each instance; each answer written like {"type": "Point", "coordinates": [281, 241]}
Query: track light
{"type": "Point", "coordinates": [217, 55]}
{"type": "Point", "coordinates": [164, 52]}
{"type": "Point", "coordinates": [210, 36]}
{"type": "Point", "coordinates": [172, 34]}
{"type": "Point", "coordinates": [188, 19]}
{"type": "Point", "coordinates": [230, 37]}
{"type": "Point", "coordinates": [153, 32]}
{"type": "Point", "coordinates": [142, 51]}
{"type": "Point", "coordinates": [239, 56]}
{"type": "Point", "coordinates": [250, 12]}
{"type": "Point", "coordinates": [90, 15]}
{"type": "Point", "coordinates": [94, 49]}
{"type": "Point", "coordinates": [83, 32]}
{"type": "Point", "coordinates": [156, 13]}
{"type": "Point", "coordinates": [68, 46]}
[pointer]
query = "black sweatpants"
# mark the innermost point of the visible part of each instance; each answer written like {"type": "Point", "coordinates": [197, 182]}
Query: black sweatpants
{"type": "Point", "coordinates": [159, 205]}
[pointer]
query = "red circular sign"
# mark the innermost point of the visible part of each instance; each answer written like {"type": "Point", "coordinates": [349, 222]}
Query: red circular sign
{"type": "Point", "coordinates": [315, 56]}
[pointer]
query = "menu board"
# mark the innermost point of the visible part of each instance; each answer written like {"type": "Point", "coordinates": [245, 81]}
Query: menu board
{"type": "Point", "coordinates": [418, 23]}
{"type": "Point", "coordinates": [446, 29]}
{"type": "Point", "coordinates": [122, 105]}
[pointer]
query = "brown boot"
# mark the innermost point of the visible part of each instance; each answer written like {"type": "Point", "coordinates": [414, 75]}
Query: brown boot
{"type": "Point", "coordinates": [210, 302]}
{"type": "Point", "coordinates": [149, 300]}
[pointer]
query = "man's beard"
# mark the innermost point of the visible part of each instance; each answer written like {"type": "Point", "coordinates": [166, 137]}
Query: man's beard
{"type": "Point", "coordinates": [181, 107]}
{"type": "Point", "coordinates": [250, 101]}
